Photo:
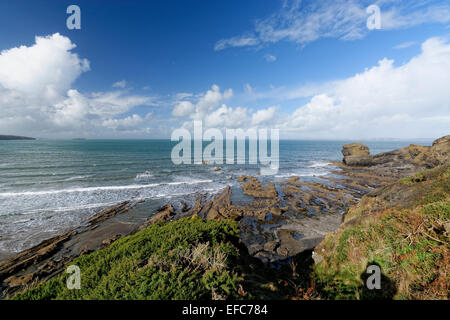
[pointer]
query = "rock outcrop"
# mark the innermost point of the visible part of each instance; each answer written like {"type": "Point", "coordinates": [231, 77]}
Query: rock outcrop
{"type": "Point", "coordinates": [356, 154]}
{"type": "Point", "coordinates": [110, 212]}
{"type": "Point", "coordinates": [414, 157]}
{"type": "Point", "coordinates": [165, 213]}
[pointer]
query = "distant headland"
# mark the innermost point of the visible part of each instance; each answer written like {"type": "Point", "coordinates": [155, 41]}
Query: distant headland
{"type": "Point", "coordinates": [9, 137]}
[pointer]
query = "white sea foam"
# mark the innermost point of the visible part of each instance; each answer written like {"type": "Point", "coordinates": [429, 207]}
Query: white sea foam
{"type": "Point", "coordinates": [102, 188]}
{"type": "Point", "coordinates": [143, 176]}
{"type": "Point", "coordinates": [304, 174]}
{"type": "Point", "coordinates": [77, 177]}
{"type": "Point", "coordinates": [71, 208]}
{"type": "Point", "coordinates": [319, 164]}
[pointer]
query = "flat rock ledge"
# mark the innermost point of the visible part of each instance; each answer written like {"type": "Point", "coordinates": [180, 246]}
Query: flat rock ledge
{"type": "Point", "coordinates": [48, 258]}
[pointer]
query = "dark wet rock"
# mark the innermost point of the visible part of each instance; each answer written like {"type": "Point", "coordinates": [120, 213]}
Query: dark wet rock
{"type": "Point", "coordinates": [14, 274]}
{"type": "Point", "coordinates": [184, 207]}
{"type": "Point", "coordinates": [32, 256]}
{"type": "Point", "coordinates": [110, 212]}
{"type": "Point", "coordinates": [255, 248]}
{"type": "Point", "coordinates": [271, 246]}
{"type": "Point", "coordinates": [291, 244]}
{"type": "Point", "coordinates": [264, 256]}
{"type": "Point", "coordinates": [166, 213]}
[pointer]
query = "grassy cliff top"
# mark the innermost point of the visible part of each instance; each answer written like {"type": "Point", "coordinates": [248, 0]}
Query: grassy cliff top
{"type": "Point", "coordinates": [186, 259]}
{"type": "Point", "coordinates": [404, 229]}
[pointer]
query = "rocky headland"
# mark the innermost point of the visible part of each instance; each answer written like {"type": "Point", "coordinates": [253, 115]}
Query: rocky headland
{"type": "Point", "coordinates": [10, 137]}
{"type": "Point", "coordinates": [282, 222]}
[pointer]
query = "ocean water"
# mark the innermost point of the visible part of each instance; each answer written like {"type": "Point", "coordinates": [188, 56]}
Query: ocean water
{"type": "Point", "coordinates": [48, 187]}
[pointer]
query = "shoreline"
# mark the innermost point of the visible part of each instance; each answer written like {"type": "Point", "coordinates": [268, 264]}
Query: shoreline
{"type": "Point", "coordinates": [281, 221]}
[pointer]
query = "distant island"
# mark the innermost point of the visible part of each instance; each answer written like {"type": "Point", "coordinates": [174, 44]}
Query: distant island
{"type": "Point", "coordinates": [9, 137]}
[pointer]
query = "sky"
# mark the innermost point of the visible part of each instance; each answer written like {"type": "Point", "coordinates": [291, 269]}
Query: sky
{"type": "Point", "coordinates": [141, 69]}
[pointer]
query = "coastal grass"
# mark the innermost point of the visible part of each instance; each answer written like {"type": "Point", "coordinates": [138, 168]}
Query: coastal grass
{"type": "Point", "coordinates": [186, 259]}
{"type": "Point", "coordinates": [190, 258]}
{"type": "Point", "coordinates": [402, 230]}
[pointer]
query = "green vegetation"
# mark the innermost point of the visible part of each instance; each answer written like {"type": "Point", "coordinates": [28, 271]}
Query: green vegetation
{"type": "Point", "coordinates": [186, 259]}
{"type": "Point", "coordinates": [404, 230]}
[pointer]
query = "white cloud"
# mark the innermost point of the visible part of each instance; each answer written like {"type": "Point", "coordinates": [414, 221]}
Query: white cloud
{"type": "Point", "coordinates": [263, 116]}
{"type": "Point", "coordinates": [215, 114]}
{"type": "Point", "coordinates": [415, 14]}
{"type": "Point", "coordinates": [207, 102]}
{"type": "Point", "coordinates": [387, 100]}
{"type": "Point", "coordinates": [108, 104]}
{"type": "Point", "coordinates": [183, 109]}
{"type": "Point", "coordinates": [405, 45]}
{"type": "Point", "coordinates": [43, 71]}
{"type": "Point", "coordinates": [242, 41]}
{"type": "Point", "coordinates": [120, 84]}
{"type": "Point", "coordinates": [183, 95]}
{"type": "Point", "coordinates": [122, 124]}
{"type": "Point", "coordinates": [226, 117]}
{"type": "Point", "coordinates": [37, 98]}
{"type": "Point", "coordinates": [270, 58]}
{"type": "Point", "coordinates": [248, 88]}
{"type": "Point", "coordinates": [303, 22]}
{"type": "Point", "coordinates": [411, 100]}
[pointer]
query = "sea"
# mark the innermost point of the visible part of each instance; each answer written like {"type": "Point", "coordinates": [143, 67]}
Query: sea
{"type": "Point", "coordinates": [50, 186]}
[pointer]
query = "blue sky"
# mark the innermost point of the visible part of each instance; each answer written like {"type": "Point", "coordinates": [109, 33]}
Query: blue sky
{"type": "Point", "coordinates": [293, 61]}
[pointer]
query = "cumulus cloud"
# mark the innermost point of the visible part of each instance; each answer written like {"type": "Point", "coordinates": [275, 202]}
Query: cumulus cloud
{"type": "Point", "coordinates": [227, 117]}
{"type": "Point", "coordinates": [263, 116]}
{"type": "Point", "coordinates": [36, 94]}
{"type": "Point", "coordinates": [306, 21]}
{"type": "Point", "coordinates": [43, 71]}
{"type": "Point", "coordinates": [208, 101]}
{"type": "Point", "coordinates": [183, 109]}
{"type": "Point", "coordinates": [410, 100]}
{"type": "Point", "coordinates": [215, 114]}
